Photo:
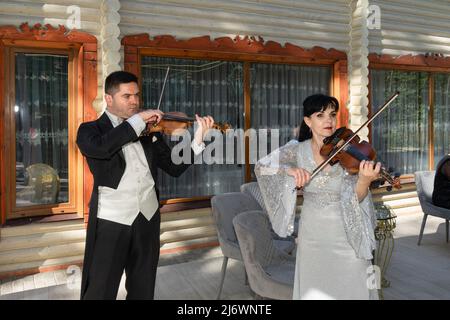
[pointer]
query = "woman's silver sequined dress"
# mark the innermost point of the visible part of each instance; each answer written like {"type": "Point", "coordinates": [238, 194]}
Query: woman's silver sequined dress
{"type": "Point", "coordinates": [335, 240]}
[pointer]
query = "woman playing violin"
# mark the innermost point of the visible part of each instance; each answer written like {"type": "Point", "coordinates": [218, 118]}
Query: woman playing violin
{"type": "Point", "coordinates": [318, 123]}
{"type": "Point", "coordinates": [335, 237]}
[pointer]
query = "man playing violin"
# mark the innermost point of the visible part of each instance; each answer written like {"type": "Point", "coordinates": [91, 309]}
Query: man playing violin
{"type": "Point", "coordinates": [124, 219]}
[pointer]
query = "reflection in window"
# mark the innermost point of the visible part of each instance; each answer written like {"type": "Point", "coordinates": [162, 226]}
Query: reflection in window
{"type": "Point", "coordinates": [441, 117]}
{"type": "Point", "coordinates": [277, 94]}
{"type": "Point", "coordinates": [200, 87]}
{"type": "Point", "coordinates": [400, 133]}
{"type": "Point", "coordinates": [41, 120]}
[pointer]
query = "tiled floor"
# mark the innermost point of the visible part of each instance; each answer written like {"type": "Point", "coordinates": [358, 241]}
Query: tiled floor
{"type": "Point", "coordinates": [415, 272]}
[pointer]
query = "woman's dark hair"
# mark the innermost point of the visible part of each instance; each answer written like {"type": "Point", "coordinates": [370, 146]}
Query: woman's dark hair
{"type": "Point", "coordinates": [115, 79]}
{"type": "Point", "coordinates": [312, 104]}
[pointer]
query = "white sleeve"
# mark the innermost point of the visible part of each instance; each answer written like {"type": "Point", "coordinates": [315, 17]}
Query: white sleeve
{"type": "Point", "coordinates": [197, 148]}
{"type": "Point", "coordinates": [278, 188]}
{"type": "Point", "coordinates": [137, 123]}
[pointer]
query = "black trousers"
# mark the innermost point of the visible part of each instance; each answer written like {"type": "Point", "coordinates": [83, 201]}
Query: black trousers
{"type": "Point", "coordinates": [119, 247]}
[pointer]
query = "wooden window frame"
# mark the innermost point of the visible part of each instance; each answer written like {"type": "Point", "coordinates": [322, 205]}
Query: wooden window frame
{"type": "Point", "coordinates": [431, 64]}
{"type": "Point", "coordinates": [81, 48]}
{"type": "Point", "coordinates": [246, 50]}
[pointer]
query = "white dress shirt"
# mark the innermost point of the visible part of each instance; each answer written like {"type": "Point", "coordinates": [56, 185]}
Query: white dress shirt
{"type": "Point", "coordinates": [136, 190]}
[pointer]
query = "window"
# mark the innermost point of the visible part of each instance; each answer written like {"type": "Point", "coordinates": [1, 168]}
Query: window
{"type": "Point", "coordinates": [400, 133]}
{"type": "Point", "coordinates": [441, 116]}
{"type": "Point", "coordinates": [412, 134]}
{"type": "Point", "coordinates": [41, 120]}
{"type": "Point", "coordinates": [216, 87]}
{"type": "Point", "coordinates": [200, 87]}
{"type": "Point", "coordinates": [49, 83]}
{"type": "Point", "coordinates": [247, 83]}
{"type": "Point", "coordinates": [277, 94]}
{"type": "Point", "coordinates": [42, 165]}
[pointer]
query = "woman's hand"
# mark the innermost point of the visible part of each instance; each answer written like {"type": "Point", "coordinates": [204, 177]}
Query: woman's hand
{"type": "Point", "coordinates": [368, 172]}
{"type": "Point", "coordinates": [301, 176]}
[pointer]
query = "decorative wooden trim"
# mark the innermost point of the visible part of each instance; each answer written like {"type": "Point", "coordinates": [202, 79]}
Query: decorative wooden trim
{"type": "Point", "coordinates": [47, 33]}
{"type": "Point", "coordinates": [247, 44]}
{"type": "Point", "coordinates": [240, 48]}
{"type": "Point", "coordinates": [84, 46]}
{"type": "Point", "coordinates": [425, 62]}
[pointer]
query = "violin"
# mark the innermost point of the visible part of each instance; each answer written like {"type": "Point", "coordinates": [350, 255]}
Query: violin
{"type": "Point", "coordinates": [174, 123]}
{"type": "Point", "coordinates": [355, 152]}
{"type": "Point", "coordinates": [344, 146]}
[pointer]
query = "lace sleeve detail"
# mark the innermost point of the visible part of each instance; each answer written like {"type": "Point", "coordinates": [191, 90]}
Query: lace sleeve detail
{"type": "Point", "coordinates": [278, 188]}
{"type": "Point", "coordinates": [359, 218]}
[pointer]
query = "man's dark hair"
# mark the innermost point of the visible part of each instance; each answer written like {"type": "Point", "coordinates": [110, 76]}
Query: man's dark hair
{"type": "Point", "coordinates": [114, 80]}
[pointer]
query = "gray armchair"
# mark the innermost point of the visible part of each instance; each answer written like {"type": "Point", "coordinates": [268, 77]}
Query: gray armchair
{"type": "Point", "coordinates": [224, 208]}
{"type": "Point", "coordinates": [252, 189]}
{"type": "Point", "coordinates": [270, 270]}
{"type": "Point", "coordinates": [425, 185]}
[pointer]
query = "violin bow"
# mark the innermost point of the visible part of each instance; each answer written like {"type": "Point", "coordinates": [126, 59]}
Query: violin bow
{"type": "Point", "coordinates": [383, 107]}
{"type": "Point", "coordinates": [164, 85]}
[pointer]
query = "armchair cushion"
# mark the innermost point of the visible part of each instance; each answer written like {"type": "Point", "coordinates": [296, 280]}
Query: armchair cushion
{"type": "Point", "coordinates": [252, 189]}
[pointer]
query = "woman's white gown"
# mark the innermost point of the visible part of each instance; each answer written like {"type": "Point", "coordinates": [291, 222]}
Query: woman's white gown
{"type": "Point", "coordinates": [327, 266]}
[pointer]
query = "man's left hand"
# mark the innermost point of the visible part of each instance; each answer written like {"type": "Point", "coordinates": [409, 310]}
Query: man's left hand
{"type": "Point", "coordinates": [204, 124]}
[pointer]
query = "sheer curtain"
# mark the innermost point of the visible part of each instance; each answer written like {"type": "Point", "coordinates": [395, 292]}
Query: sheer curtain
{"type": "Point", "coordinates": [200, 87]}
{"type": "Point", "coordinates": [41, 117]}
{"type": "Point", "coordinates": [441, 116]}
{"type": "Point", "coordinates": [400, 133]}
{"type": "Point", "coordinates": [277, 94]}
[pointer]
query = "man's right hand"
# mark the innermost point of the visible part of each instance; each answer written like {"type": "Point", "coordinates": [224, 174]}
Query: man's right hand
{"type": "Point", "coordinates": [301, 176]}
{"type": "Point", "coordinates": [150, 115]}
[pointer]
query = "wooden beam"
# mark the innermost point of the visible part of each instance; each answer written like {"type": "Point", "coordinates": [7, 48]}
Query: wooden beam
{"type": "Point", "coordinates": [431, 87]}
{"type": "Point", "coordinates": [340, 91]}
{"type": "Point", "coordinates": [247, 119]}
{"type": "Point", "coordinates": [2, 136]}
